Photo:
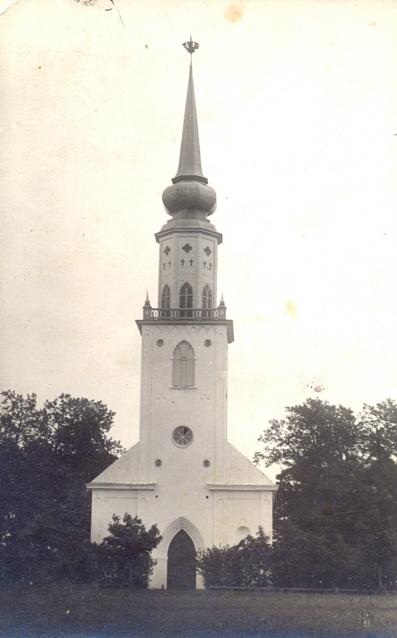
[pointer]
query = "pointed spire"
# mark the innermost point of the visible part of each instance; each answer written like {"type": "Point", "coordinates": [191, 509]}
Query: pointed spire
{"type": "Point", "coordinates": [190, 195]}
{"type": "Point", "coordinates": [189, 158]}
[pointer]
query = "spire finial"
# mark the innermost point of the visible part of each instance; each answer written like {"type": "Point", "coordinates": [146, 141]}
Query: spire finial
{"type": "Point", "coordinates": [191, 46]}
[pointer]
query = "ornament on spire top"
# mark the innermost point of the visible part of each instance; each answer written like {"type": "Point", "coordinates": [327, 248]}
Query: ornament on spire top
{"type": "Point", "coordinates": [191, 46]}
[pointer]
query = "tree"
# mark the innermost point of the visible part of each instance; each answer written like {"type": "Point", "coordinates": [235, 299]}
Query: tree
{"type": "Point", "coordinates": [378, 496]}
{"type": "Point", "coordinates": [246, 564]}
{"type": "Point", "coordinates": [47, 455]}
{"type": "Point", "coordinates": [254, 560]}
{"type": "Point", "coordinates": [379, 426]}
{"type": "Point", "coordinates": [123, 557]}
{"type": "Point", "coordinates": [335, 511]}
{"type": "Point", "coordinates": [19, 418]}
{"type": "Point", "coordinates": [217, 566]}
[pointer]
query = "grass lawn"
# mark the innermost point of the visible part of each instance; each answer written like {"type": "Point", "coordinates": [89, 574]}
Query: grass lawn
{"type": "Point", "coordinates": [85, 611]}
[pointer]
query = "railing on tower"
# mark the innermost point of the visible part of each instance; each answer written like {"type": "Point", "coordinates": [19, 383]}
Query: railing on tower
{"type": "Point", "coordinates": [175, 314]}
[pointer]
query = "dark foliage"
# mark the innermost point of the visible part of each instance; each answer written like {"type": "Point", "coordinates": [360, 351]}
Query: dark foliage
{"type": "Point", "coordinates": [336, 506]}
{"type": "Point", "coordinates": [47, 455]}
{"type": "Point", "coordinates": [123, 557]}
{"type": "Point", "coordinates": [247, 564]}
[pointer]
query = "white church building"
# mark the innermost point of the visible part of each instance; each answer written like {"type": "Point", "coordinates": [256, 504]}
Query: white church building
{"type": "Point", "coordinates": [183, 474]}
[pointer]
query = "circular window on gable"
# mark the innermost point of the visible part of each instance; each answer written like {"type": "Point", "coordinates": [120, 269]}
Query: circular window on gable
{"type": "Point", "coordinates": [182, 436]}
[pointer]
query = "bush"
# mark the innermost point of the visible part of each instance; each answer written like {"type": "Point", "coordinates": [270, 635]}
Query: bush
{"type": "Point", "coordinates": [123, 558]}
{"type": "Point", "coordinates": [247, 564]}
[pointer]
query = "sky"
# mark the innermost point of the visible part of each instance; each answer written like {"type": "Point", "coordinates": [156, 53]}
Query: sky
{"type": "Point", "coordinates": [297, 110]}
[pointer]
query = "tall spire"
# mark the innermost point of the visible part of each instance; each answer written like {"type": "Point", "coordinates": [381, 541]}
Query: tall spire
{"type": "Point", "coordinates": [190, 193]}
{"type": "Point", "coordinates": [189, 158]}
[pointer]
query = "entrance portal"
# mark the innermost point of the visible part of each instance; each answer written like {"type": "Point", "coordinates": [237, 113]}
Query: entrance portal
{"type": "Point", "coordinates": [181, 572]}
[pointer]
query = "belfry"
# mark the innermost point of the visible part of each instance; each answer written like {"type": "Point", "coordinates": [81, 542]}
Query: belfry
{"type": "Point", "coordinates": [183, 474]}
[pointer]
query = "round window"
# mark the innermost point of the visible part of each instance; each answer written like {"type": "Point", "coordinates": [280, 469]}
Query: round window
{"type": "Point", "coordinates": [182, 436]}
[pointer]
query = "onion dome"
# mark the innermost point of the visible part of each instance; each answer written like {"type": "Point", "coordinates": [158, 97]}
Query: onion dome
{"type": "Point", "coordinates": [190, 194]}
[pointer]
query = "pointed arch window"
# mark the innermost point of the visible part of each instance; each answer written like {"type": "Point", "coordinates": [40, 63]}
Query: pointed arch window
{"type": "Point", "coordinates": [166, 300]}
{"type": "Point", "coordinates": [206, 300]}
{"type": "Point", "coordinates": [186, 300]}
{"type": "Point", "coordinates": [183, 365]}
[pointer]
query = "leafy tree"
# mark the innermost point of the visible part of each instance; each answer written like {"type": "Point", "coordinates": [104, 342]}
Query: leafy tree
{"type": "Point", "coordinates": [19, 422]}
{"type": "Point", "coordinates": [47, 455]}
{"type": "Point", "coordinates": [123, 557]}
{"type": "Point", "coordinates": [217, 566]}
{"type": "Point", "coordinates": [254, 560]}
{"type": "Point", "coordinates": [77, 431]}
{"type": "Point", "coordinates": [379, 427]}
{"type": "Point", "coordinates": [335, 512]}
{"type": "Point", "coordinates": [378, 496]}
{"type": "Point", "coordinates": [246, 564]}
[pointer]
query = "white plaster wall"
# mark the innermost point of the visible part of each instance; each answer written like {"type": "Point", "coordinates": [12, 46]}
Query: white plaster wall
{"type": "Point", "coordinates": [209, 517]}
{"type": "Point", "coordinates": [201, 407]}
{"type": "Point", "coordinates": [182, 493]}
{"type": "Point", "coordinates": [173, 273]}
{"type": "Point", "coordinates": [105, 503]}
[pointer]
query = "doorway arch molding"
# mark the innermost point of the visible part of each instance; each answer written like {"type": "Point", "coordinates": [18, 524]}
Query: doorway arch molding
{"type": "Point", "coordinates": [174, 528]}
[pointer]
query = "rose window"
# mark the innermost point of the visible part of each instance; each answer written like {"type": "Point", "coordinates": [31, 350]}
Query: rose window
{"type": "Point", "coordinates": [182, 436]}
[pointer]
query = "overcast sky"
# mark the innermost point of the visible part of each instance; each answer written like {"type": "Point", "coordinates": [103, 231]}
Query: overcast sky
{"type": "Point", "coordinates": [297, 108]}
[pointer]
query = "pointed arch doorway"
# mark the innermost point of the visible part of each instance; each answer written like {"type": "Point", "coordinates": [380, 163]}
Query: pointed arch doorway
{"type": "Point", "coordinates": [181, 570]}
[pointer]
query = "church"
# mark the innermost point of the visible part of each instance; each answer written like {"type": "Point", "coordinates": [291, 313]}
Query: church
{"type": "Point", "coordinates": [183, 474]}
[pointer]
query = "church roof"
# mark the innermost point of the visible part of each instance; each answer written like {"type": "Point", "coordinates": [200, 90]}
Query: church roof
{"type": "Point", "coordinates": [240, 472]}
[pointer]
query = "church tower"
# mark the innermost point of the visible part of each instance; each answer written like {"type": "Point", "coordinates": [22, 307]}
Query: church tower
{"type": "Point", "coordinates": [183, 474]}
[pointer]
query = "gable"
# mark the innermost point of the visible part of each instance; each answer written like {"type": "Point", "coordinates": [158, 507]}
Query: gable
{"type": "Point", "coordinates": [240, 470]}
{"type": "Point", "coordinates": [123, 470]}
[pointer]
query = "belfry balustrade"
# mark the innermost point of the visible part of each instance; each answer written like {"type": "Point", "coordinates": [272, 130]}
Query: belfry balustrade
{"type": "Point", "coordinates": [173, 314]}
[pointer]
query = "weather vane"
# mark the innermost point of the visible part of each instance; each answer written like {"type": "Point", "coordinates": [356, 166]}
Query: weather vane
{"type": "Point", "coordinates": [191, 46]}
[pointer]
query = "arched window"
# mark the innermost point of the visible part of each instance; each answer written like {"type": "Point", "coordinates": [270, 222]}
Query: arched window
{"type": "Point", "coordinates": [186, 300]}
{"type": "Point", "coordinates": [183, 365]}
{"type": "Point", "coordinates": [207, 300]}
{"type": "Point", "coordinates": [165, 300]}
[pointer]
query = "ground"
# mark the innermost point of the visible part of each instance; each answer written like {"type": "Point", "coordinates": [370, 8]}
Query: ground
{"type": "Point", "coordinates": [86, 611]}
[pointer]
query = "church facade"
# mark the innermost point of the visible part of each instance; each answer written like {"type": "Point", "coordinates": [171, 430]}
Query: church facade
{"type": "Point", "coordinates": [183, 474]}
